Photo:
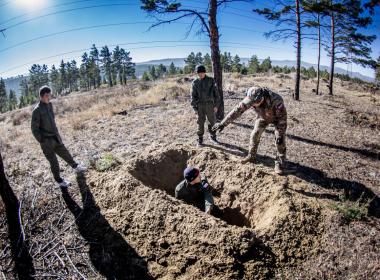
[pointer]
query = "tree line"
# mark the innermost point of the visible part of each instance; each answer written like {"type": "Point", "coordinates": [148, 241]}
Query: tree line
{"type": "Point", "coordinates": [97, 67]}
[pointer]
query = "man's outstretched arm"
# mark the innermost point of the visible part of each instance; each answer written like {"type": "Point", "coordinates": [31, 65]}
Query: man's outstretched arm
{"type": "Point", "coordinates": [234, 114]}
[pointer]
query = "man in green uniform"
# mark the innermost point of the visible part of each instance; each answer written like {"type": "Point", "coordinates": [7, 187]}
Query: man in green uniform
{"type": "Point", "coordinates": [270, 109]}
{"type": "Point", "coordinates": [195, 190]}
{"type": "Point", "coordinates": [204, 100]}
{"type": "Point", "coordinates": [45, 131]}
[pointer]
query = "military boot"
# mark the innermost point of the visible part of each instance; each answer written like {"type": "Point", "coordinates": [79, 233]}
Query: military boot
{"type": "Point", "coordinates": [248, 159]}
{"type": "Point", "coordinates": [200, 142]}
{"type": "Point", "coordinates": [213, 139]}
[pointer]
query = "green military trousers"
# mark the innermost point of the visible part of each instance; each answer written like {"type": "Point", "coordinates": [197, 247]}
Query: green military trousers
{"type": "Point", "coordinates": [280, 134]}
{"type": "Point", "coordinates": [205, 110]}
{"type": "Point", "coordinates": [51, 147]}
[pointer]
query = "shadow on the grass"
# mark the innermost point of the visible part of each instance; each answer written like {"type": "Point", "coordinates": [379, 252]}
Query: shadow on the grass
{"type": "Point", "coordinates": [362, 152]}
{"type": "Point", "coordinates": [110, 254]}
{"type": "Point", "coordinates": [353, 191]}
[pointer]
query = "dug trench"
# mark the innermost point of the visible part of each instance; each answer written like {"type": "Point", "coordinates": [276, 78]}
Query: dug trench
{"type": "Point", "coordinates": [264, 224]}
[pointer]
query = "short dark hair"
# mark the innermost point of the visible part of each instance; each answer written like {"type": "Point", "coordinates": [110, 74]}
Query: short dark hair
{"type": "Point", "coordinates": [44, 90]}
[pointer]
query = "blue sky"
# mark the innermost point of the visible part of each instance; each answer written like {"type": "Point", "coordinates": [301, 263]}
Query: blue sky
{"type": "Point", "coordinates": [241, 33]}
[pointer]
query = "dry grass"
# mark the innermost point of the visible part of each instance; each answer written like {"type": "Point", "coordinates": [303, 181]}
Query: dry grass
{"type": "Point", "coordinates": [19, 117]}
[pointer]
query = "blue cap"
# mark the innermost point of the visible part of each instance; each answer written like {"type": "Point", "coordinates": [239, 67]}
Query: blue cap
{"type": "Point", "coordinates": [190, 173]}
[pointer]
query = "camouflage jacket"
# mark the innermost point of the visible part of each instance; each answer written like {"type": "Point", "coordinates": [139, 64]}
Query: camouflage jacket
{"type": "Point", "coordinates": [43, 122]}
{"type": "Point", "coordinates": [203, 91]}
{"type": "Point", "coordinates": [272, 110]}
{"type": "Point", "coordinates": [198, 195]}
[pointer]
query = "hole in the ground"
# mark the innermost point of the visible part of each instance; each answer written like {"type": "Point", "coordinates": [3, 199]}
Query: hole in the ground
{"type": "Point", "coordinates": [232, 216]}
{"type": "Point", "coordinates": [165, 171]}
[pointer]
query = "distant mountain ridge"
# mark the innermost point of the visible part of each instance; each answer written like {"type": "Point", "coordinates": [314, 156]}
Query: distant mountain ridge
{"type": "Point", "coordinates": [14, 82]}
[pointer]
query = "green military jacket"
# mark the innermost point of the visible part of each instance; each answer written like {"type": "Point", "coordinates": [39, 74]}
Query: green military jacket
{"type": "Point", "coordinates": [203, 91]}
{"type": "Point", "coordinates": [272, 110]}
{"type": "Point", "coordinates": [43, 122]}
{"type": "Point", "coordinates": [199, 195]}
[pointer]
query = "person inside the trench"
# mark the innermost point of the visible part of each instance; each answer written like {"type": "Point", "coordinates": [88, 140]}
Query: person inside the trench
{"type": "Point", "coordinates": [195, 190]}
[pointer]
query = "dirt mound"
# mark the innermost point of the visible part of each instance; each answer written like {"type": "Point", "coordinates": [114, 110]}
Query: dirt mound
{"type": "Point", "coordinates": [178, 240]}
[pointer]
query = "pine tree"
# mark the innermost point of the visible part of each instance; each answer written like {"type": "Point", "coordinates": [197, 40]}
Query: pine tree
{"type": "Point", "coordinates": [74, 75]}
{"type": "Point", "coordinates": [190, 63]}
{"type": "Point", "coordinates": [93, 67]}
{"type": "Point", "coordinates": [3, 97]}
{"type": "Point", "coordinates": [55, 80]}
{"type": "Point", "coordinates": [63, 77]}
{"type": "Point", "coordinates": [198, 59]}
{"type": "Point", "coordinates": [253, 65]}
{"type": "Point", "coordinates": [152, 73]}
{"type": "Point", "coordinates": [117, 63]}
{"type": "Point", "coordinates": [145, 76]}
{"type": "Point", "coordinates": [38, 76]}
{"type": "Point", "coordinates": [226, 62]}
{"type": "Point", "coordinates": [84, 73]}
{"type": "Point", "coordinates": [24, 97]}
{"type": "Point", "coordinates": [106, 60]}
{"type": "Point", "coordinates": [12, 100]}
{"type": "Point", "coordinates": [266, 65]}
{"type": "Point", "coordinates": [236, 65]}
{"type": "Point", "coordinates": [287, 12]}
{"type": "Point", "coordinates": [161, 70]}
{"type": "Point", "coordinates": [128, 67]}
{"type": "Point", "coordinates": [172, 69]}
{"type": "Point", "coordinates": [318, 9]}
{"type": "Point", "coordinates": [244, 70]}
{"type": "Point", "coordinates": [207, 62]}
{"type": "Point", "coordinates": [348, 45]}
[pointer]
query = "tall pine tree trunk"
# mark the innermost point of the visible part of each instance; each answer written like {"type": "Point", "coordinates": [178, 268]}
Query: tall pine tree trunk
{"type": "Point", "coordinates": [215, 56]}
{"type": "Point", "coordinates": [298, 68]}
{"type": "Point", "coordinates": [332, 64]}
{"type": "Point", "coordinates": [319, 54]}
{"type": "Point", "coordinates": [20, 251]}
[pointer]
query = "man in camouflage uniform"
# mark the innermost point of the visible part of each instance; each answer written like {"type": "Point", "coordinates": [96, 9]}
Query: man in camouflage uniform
{"type": "Point", "coordinates": [45, 131]}
{"type": "Point", "coordinates": [194, 190]}
{"type": "Point", "coordinates": [204, 100]}
{"type": "Point", "coordinates": [270, 109]}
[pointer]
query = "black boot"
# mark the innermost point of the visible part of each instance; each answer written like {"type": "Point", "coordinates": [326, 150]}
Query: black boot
{"type": "Point", "coordinates": [200, 142]}
{"type": "Point", "coordinates": [213, 139]}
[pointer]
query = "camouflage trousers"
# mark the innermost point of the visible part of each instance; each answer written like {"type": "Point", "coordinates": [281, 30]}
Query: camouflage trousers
{"type": "Point", "coordinates": [280, 135]}
{"type": "Point", "coordinates": [205, 111]}
{"type": "Point", "coordinates": [51, 147]}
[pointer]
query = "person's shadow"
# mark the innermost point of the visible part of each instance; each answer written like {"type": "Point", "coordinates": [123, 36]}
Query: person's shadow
{"type": "Point", "coordinates": [353, 191]}
{"type": "Point", "coordinates": [110, 254]}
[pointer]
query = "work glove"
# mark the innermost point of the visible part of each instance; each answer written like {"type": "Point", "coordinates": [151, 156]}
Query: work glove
{"type": "Point", "coordinates": [217, 127]}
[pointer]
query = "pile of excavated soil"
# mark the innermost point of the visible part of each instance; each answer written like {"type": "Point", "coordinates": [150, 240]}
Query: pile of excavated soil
{"type": "Point", "coordinates": [261, 224]}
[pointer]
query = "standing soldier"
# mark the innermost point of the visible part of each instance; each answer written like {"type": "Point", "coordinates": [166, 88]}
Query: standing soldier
{"type": "Point", "coordinates": [204, 100]}
{"type": "Point", "coordinates": [195, 190]}
{"type": "Point", "coordinates": [46, 133]}
{"type": "Point", "coordinates": [270, 109]}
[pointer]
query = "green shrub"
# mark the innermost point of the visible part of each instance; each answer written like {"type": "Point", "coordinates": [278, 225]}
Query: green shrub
{"type": "Point", "coordinates": [106, 162]}
{"type": "Point", "coordinates": [351, 211]}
